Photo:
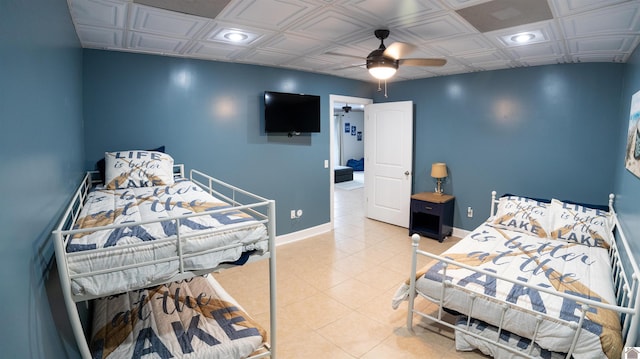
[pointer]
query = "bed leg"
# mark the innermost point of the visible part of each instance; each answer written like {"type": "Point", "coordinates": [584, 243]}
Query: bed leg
{"type": "Point", "coordinates": [70, 304]}
{"type": "Point", "coordinates": [415, 240]}
{"type": "Point", "coordinates": [76, 323]}
{"type": "Point", "coordinates": [271, 212]}
{"type": "Point", "coordinates": [578, 329]}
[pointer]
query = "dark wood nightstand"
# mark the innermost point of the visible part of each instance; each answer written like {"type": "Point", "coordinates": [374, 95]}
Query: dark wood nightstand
{"type": "Point", "coordinates": [431, 215]}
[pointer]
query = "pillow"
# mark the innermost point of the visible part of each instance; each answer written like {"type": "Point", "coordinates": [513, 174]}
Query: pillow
{"type": "Point", "coordinates": [579, 224]}
{"type": "Point", "coordinates": [101, 164]}
{"type": "Point", "coordinates": [522, 214]}
{"type": "Point", "coordinates": [603, 208]}
{"type": "Point", "coordinates": [126, 169]}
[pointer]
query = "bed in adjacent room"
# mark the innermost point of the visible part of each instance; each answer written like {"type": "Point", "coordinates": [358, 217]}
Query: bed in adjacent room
{"type": "Point", "coordinates": [554, 277]}
{"type": "Point", "coordinates": [342, 174]}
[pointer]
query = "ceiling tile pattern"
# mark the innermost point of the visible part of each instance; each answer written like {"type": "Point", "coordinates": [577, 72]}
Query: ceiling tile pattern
{"type": "Point", "coordinates": [335, 36]}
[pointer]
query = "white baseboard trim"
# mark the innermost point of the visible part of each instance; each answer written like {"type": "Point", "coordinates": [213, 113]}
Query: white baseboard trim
{"type": "Point", "coordinates": [459, 232]}
{"type": "Point", "coordinates": [327, 227]}
{"type": "Point", "coordinates": [303, 234]}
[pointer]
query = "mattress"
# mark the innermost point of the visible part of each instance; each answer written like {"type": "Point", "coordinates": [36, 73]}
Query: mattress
{"type": "Point", "coordinates": [467, 342]}
{"type": "Point", "coordinates": [552, 264]}
{"type": "Point", "coordinates": [147, 235]}
{"type": "Point", "coordinates": [193, 318]}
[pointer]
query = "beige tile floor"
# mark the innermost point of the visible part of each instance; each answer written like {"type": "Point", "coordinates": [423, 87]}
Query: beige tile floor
{"type": "Point", "coordinates": [335, 290]}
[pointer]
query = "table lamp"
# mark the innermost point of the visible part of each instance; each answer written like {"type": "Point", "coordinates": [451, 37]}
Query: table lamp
{"type": "Point", "coordinates": [439, 171]}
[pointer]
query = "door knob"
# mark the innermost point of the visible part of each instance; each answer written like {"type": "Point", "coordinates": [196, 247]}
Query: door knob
{"type": "Point", "coordinates": [406, 173]}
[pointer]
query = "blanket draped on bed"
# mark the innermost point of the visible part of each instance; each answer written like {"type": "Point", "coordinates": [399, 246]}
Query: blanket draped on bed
{"type": "Point", "coordinates": [194, 318]}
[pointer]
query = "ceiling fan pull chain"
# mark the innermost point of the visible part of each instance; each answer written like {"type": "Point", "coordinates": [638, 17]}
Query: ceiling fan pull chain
{"type": "Point", "coordinates": [379, 88]}
{"type": "Point", "coordinates": [385, 89]}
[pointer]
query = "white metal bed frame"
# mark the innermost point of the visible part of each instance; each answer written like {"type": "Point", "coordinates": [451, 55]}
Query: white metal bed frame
{"type": "Point", "coordinates": [625, 283]}
{"type": "Point", "coordinates": [260, 208]}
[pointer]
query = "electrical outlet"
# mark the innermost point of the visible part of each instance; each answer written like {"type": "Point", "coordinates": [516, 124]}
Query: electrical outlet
{"type": "Point", "coordinates": [469, 212]}
{"type": "Point", "coordinates": [293, 214]}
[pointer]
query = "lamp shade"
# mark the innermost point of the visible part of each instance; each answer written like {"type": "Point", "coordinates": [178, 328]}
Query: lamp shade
{"type": "Point", "coordinates": [439, 170]}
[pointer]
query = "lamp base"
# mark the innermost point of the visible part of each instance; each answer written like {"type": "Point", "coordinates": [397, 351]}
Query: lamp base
{"type": "Point", "coordinates": [439, 188]}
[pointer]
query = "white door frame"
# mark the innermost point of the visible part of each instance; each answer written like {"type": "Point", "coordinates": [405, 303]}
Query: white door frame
{"type": "Point", "coordinates": [332, 100]}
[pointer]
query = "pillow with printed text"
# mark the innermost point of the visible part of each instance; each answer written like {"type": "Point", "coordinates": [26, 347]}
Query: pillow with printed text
{"type": "Point", "coordinates": [125, 169]}
{"type": "Point", "coordinates": [579, 224]}
{"type": "Point", "coordinates": [522, 214]}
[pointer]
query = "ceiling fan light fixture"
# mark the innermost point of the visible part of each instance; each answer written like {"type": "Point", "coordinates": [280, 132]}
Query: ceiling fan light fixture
{"type": "Point", "coordinates": [380, 67]}
{"type": "Point", "coordinates": [381, 72]}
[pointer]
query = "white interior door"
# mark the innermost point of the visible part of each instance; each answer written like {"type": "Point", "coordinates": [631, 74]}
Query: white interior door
{"type": "Point", "coordinates": [388, 161]}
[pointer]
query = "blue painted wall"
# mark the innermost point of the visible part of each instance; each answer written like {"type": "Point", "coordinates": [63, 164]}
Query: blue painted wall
{"type": "Point", "coordinates": [627, 185]}
{"type": "Point", "coordinates": [528, 131]}
{"type": "Point", "coordinates": [547, 131]}
{"type": "Point", "coordinates": [209, 115]}
{"type": "Point", "coordinates": [42, 156]}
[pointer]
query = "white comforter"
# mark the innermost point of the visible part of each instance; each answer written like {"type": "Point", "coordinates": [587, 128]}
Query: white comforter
{"type": "Point", "coordinates": [146, 237]}
{"type": "Point", "coordinates": [564, 267]}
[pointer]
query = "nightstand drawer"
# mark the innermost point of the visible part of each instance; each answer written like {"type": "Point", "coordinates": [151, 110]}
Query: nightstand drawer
{"type": "Point", "coordinates": [426, 207]}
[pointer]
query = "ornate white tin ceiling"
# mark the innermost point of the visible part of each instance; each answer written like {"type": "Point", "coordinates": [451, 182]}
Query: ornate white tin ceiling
{"type": "Point", "coordinates": [298, 34]}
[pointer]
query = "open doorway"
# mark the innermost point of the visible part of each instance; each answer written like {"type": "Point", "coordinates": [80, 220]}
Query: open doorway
{"type": "Point", "coordinates": [345, 146]}
{"type": "Point", "coordinates": [348, 154]}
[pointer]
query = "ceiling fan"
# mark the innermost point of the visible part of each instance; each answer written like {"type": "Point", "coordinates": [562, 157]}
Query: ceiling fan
{"type": "Point", "coordinates": [383, 62]}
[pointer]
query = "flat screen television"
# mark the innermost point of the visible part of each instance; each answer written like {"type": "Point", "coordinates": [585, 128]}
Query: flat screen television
{"type": "Point", "coordinates": [291, 113]}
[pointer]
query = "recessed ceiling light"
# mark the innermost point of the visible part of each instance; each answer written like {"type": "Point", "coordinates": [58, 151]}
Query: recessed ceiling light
{"type": "Point", "coordinates": [235, 36]}
{"type": "Point", "coordinates": [523, 38]}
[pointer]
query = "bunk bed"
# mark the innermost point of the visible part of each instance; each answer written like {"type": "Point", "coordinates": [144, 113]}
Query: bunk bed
{"type": "Point", "coordinates": [539, 278]}
{"type": "Point", "coordinates": [137, 245]}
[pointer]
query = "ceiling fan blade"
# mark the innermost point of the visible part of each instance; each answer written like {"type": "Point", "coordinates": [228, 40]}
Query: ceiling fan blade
{"type": "Point", "coordinates": [344, 55]}
{"type": "Point", "coordinates": [398, 50]}
{"type": "Point", "coordinates": [423, 62]}
{"type": "Point", "coordinates": [348, 67]}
